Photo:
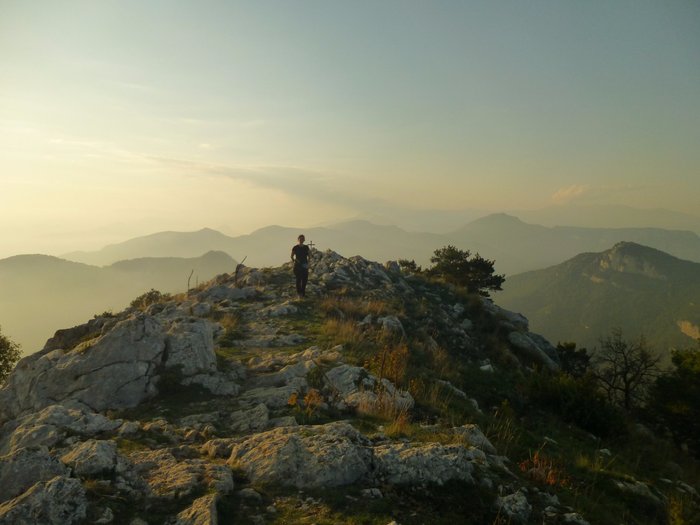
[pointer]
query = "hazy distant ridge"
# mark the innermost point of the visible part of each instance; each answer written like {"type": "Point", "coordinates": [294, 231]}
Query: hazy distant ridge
{"type": "Point", "coordinates": [41, 293]}
{"type": "Point", "coordinates": [515, 245]}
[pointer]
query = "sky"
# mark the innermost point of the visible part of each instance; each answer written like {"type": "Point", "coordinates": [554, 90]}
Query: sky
{"type": "Point", "coordinates": [122, 118]}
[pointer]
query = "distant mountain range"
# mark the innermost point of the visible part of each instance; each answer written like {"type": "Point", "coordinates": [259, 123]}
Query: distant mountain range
{"type": "Point", "coordinates": [515, 245]}
{"type": "Point", "coordinates": [633, 287]}
{"type": "Point", "coordinates": [41, 293]}
{"type": "Point", "coordinates": [610, 216]}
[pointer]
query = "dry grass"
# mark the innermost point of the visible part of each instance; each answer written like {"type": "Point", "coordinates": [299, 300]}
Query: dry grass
{"type": "Point", "coordinates": [542, 469]}
{"type": "Point", "coordinates": [400, 425]}
{"type": "Point", "coordinates": [353, 307]}
{"type": "Point", "coordinates": [391, 363]}
{"type": "Point", "coordinates": [503, 431]}
{"type": "Point", "coordinates": [342, 331]}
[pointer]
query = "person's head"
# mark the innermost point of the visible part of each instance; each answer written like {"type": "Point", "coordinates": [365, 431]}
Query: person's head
{"type": "Point", "coordinates": [301, 239]}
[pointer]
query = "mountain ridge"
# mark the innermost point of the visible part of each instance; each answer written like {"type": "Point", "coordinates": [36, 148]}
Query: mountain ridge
{"type": "Point", "coordinates": [640, 289]}
{"type": "Point", "coordinates": [529, 247]}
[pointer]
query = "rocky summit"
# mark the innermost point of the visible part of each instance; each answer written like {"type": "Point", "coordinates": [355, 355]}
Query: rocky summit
{"type": "Point", "coordinates": [239, 403]}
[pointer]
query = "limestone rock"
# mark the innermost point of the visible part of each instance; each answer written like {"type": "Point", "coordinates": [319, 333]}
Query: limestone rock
{"type": "Point", "coordinates": [255, 418]}
{"type": "Point", "coordinates": [475, 437]}
{"type": "Point", "coordinates": [310, 456]}
{"type": "Point", "coordinates": [360, 389]}
{"type": "Point", "coordinates": [273, 398]}
{"type": "Point", "coordinates": [51, 425]}
{"type": "Point", "coordinates": [524, 344]}
{"type": "Point", "coordinates": [392, 325]}
{"type": "Point", "coordinates": [22, 469]}
{"type": "Point", "coordinates": [226, 293]}
{"type": "Point", "coordinates": [219, 447]}
{"type": "Point", "coordinates": [287, 374]}
{"type": "Point", "coordinates": [92, 458]}
{"type": "Point", "coordinates": [59, 501]}
{"type": "Point", "coordinates": [169, 479]}
{"type": "Point", "coordinates": [201, 512]}
{"type": "Point", "coordinates": [639, 488]}
{"type": "Point", "coordinates": [201, 309]}
{"type": "Point", "coordinates": [515, 506]}
{"type": "Point", "coordinates": [190, 345]}
{"type": "Point", "coordinates": [408, 464]}
{"type": "Point", "coordinates": [278, 310]}
{"type": "Point", "coordinates": [114, 372]}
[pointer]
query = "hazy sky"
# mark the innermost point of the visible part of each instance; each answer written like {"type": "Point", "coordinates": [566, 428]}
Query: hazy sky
{"type": "Point", "coordinates": [120, 118]}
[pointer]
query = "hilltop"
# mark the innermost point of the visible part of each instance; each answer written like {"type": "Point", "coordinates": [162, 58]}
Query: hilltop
{"type": "Point", "coordinates": [630, 286]}
{"type": "Point", "coordinates": [382, 397]}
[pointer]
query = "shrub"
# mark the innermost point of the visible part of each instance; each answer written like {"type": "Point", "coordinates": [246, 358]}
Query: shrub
{"type": "Point", "coordinates": [675, 398]}
{"type": "Point", "coordinates": [575, 400]}
{"type": "Point", "coordinates": [9, 355]}
{"type": "Point", "coordinates": [152, 296]}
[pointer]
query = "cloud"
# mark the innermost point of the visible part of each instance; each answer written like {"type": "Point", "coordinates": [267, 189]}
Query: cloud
{"type": "Point", "coordinates": [296, 181]}
{"type": "Point", "coordinates": [570, 193]}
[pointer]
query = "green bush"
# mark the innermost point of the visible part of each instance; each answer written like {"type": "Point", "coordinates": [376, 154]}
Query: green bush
{"type": "Point", "coordinates": [575, 400]}
{"type": "Point", "coordinates": [9, 355]}
{"type": "Point", "coordinates": [675, 399]}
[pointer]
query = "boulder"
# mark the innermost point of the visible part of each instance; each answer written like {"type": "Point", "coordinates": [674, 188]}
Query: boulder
{"type": "Point", "coordinates": [515, 506]}
{"type": "Point", "coordinates": [201, 512]}
{"type": "Point", "coordinates": [115, 371]}
{"type": "Point", "coordinates": [475, 437]}
{"type": "Point", "coordinates": [190, 345]}
{"type": "Point", "coordinates": [59, 501]}
{"type": "Point", "coordinates": [26, 467]}
{"type": "Point", "coordinates": [309, 456]}
{"type": "Point", "coordinates": [170, 479]}
{"type": "Point", "coordinates": [51, 425]}
{"type": "Point", "coordinates": [409, 464]}
{"type": "Point", "coordinates": [92, 458]}
{"type": "Point", "coordinates": [527, 348]}
{"type": "Point", "coordinates": [361, 390]}
{"type": "Point", "coordinates": [392, 325]}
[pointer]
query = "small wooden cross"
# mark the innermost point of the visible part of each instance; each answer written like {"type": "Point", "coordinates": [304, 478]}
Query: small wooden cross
{"type": "Point", "coordinates": [311, 244]}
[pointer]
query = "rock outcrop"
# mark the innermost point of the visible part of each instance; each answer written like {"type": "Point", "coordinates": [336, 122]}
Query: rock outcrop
{"type": "Point", "coordinates": [164, 405]}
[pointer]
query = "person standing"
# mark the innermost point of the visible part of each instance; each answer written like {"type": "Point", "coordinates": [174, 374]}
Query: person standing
{"type": "Point", "coordinates": [300, 257]}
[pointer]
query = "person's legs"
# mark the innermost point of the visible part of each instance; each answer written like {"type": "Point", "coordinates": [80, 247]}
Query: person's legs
{"type": "Point", "coordinates": [304, 280]}
{"type": "Point", "coordinates": [298, 273]}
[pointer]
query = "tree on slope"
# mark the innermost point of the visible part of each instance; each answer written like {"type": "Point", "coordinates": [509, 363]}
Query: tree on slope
{"type": "Point", "coordinates": [675, 398]}
{"type": "Point", "coordinates": [625, 369]}
{"type": "Point", "coordinates": [458, 267]}
{"type": "Point", "coordinates": [9, 355]}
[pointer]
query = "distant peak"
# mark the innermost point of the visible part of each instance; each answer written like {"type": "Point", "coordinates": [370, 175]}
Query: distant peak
{"type": "Point", "coordinates": [635, 249]}
{"type": "Point", "coordinates": [499, 218]}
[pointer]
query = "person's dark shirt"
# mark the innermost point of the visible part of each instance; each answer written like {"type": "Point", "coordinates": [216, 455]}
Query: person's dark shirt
{"type": "Point", "coordinates": [301, 255]}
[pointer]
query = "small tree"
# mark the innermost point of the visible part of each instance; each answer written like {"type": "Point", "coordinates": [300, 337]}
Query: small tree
{"type": "Point", "coordinates": [674, 400]}
{"type": "Point", "coordinates": [458, 267]}
{"type": "Point", "coordinates": [409, 266]}
{"type": "Point", "coordinates": [9, 355]}
{"type": "Point", "coordinates": [574, 362]}
{"type": "Point", "coordinates": [625, 369]}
